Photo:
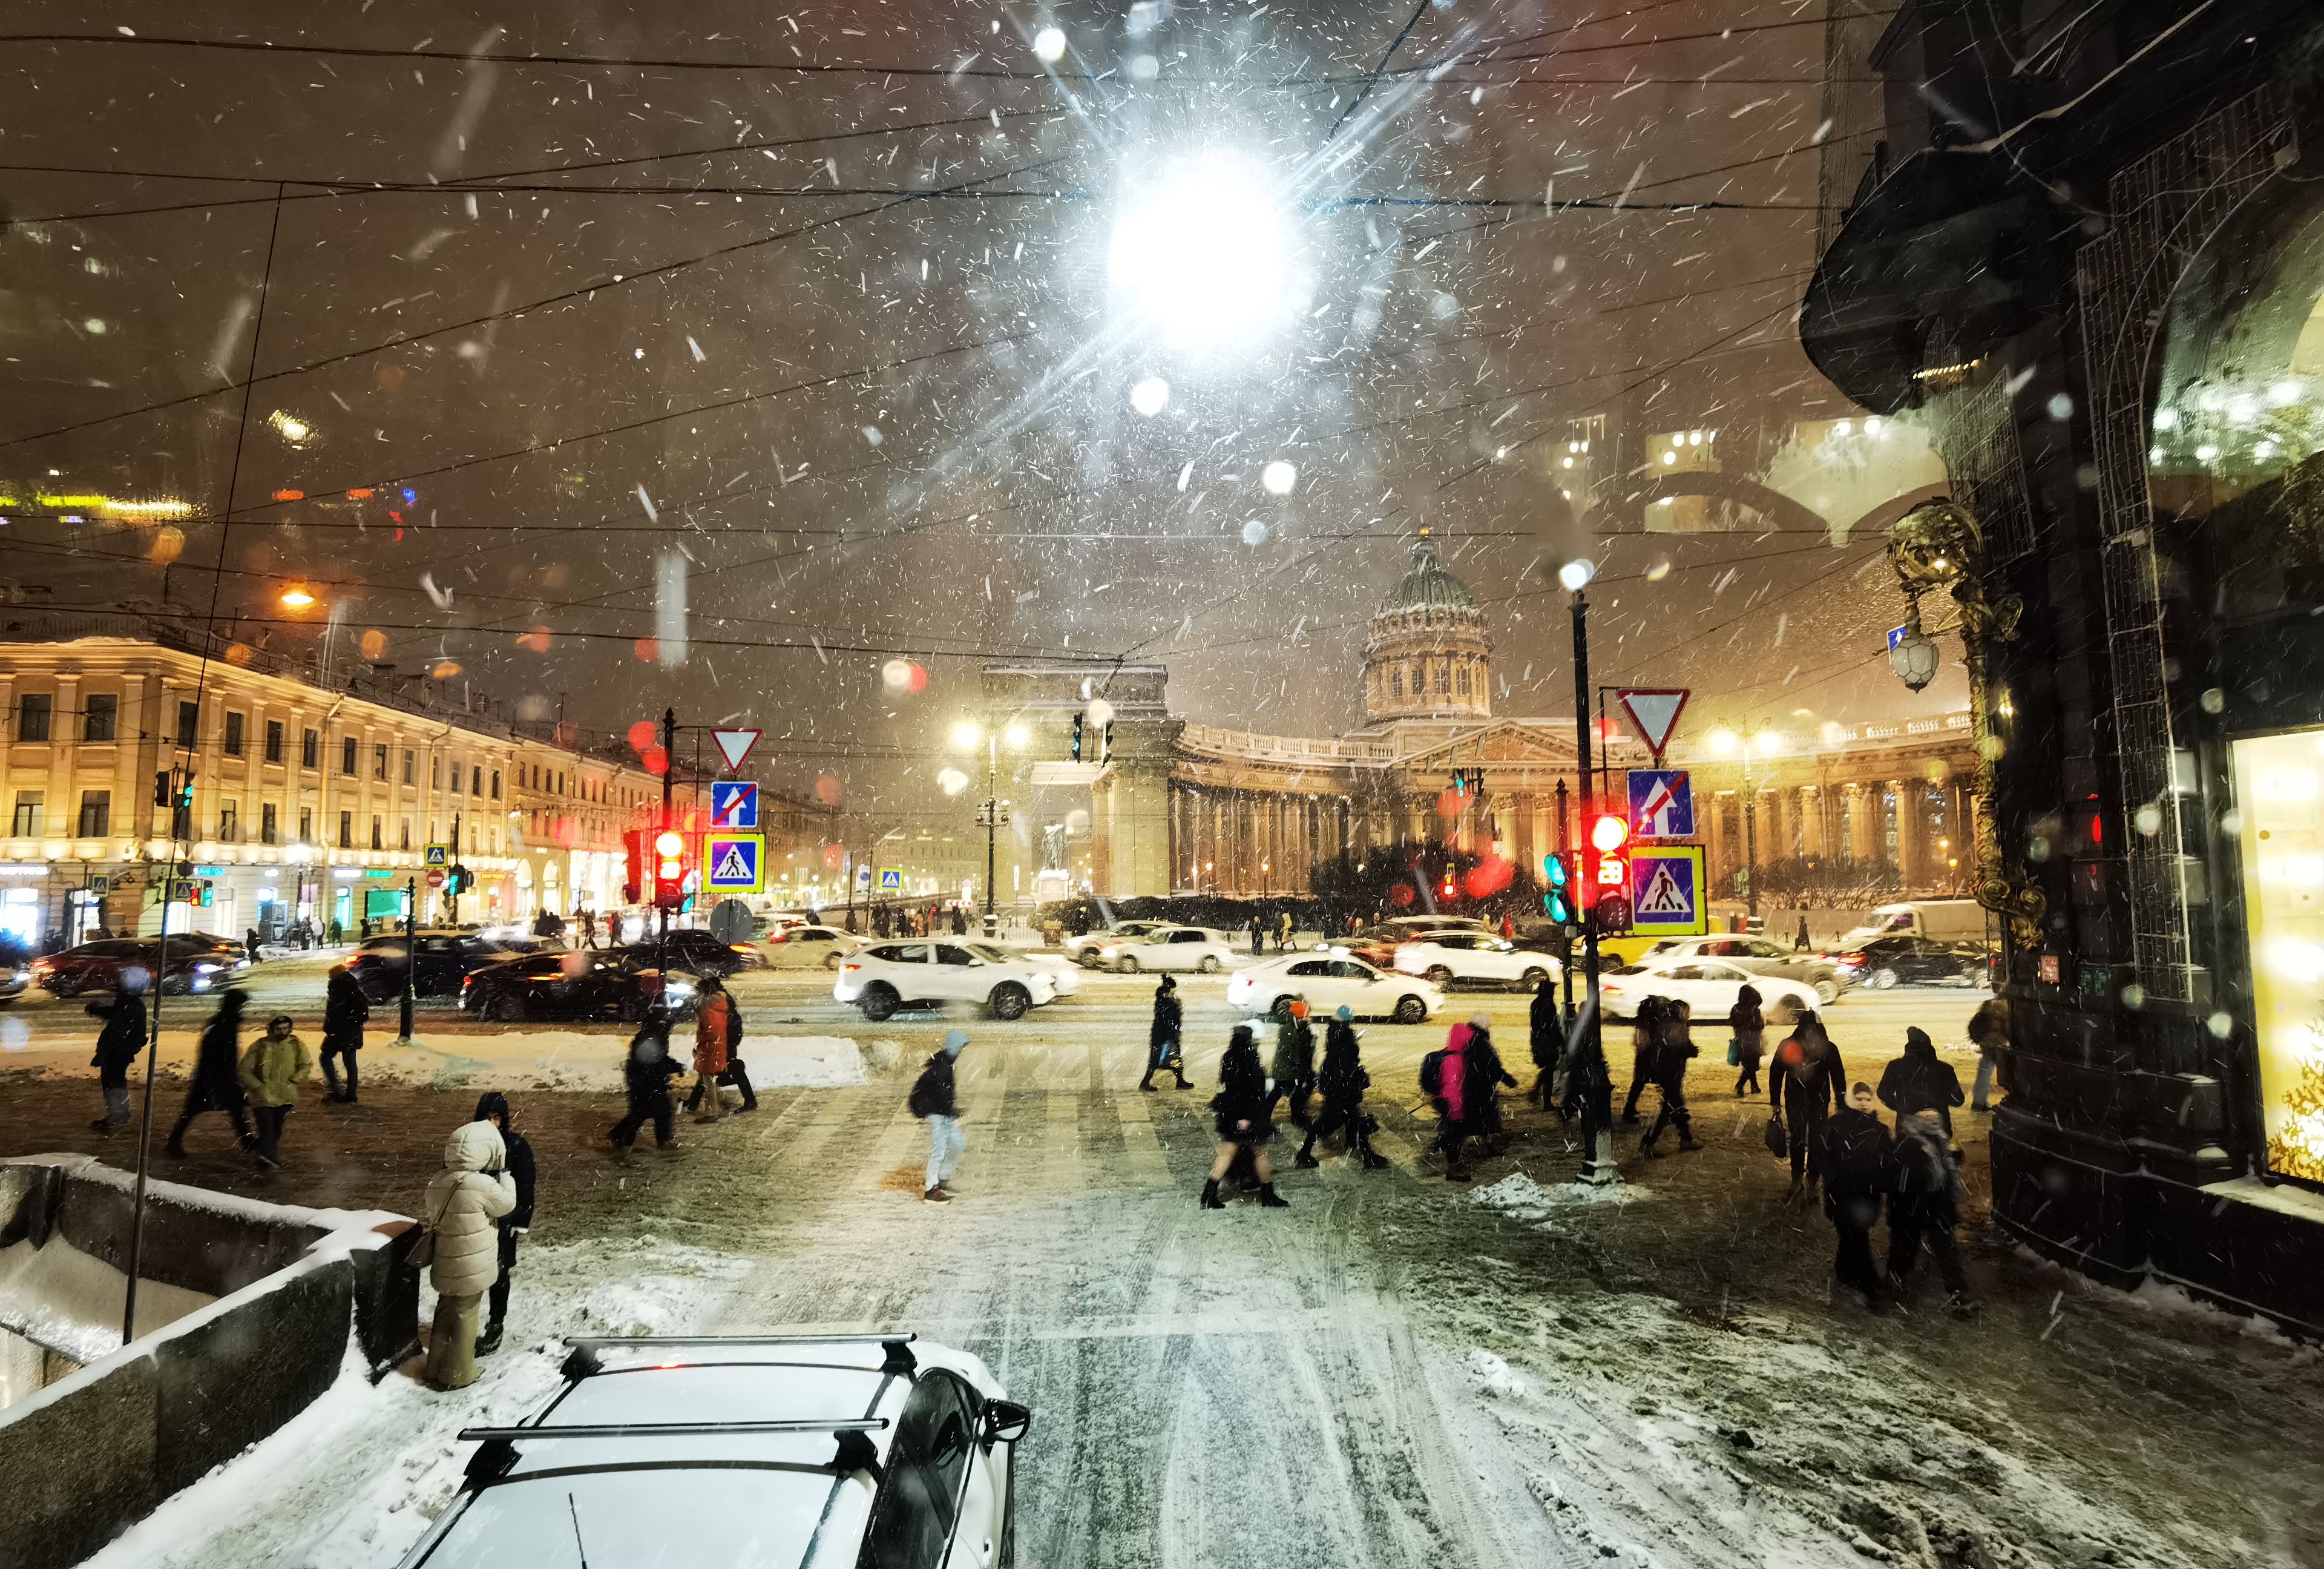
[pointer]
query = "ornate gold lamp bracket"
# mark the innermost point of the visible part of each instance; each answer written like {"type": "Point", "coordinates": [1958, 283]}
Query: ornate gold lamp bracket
{"type": "Point", "coordinates": [1938, 545]}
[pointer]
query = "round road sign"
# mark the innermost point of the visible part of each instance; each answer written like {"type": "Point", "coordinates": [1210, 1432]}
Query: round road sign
{"type": "Point", "coordinates": [435, 877]}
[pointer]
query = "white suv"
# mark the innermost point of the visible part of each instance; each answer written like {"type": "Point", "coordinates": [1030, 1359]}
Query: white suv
{"type": "Point", "coordinates": [924, 972]}
{"type": "Point", "coordinates": [1444, 957]}
{"type": "Point", "coordinates": [817, 1451]}
{"type": "Point", "coordinates": [1328, 981]}
{"type": "Point", "coordinates": [1084, 947]}
{"type": "Point", "coordinates": [1169, 948]}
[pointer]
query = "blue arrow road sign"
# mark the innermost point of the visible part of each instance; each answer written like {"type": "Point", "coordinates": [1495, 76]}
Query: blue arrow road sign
{"type": "Point", "coordinates": [1662, 804]}
{"type": "Point", "coordinates": [733, 804]}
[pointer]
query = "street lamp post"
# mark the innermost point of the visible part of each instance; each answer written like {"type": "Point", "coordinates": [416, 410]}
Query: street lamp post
{"type": "Point", "coordinates": [967, 734]}
{"type": "Point", "coordinates": [1586, 1047]}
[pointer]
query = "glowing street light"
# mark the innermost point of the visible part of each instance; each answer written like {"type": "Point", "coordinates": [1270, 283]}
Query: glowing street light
{"type": "Point", "coordinates": [1205, 255]}
{"type": "Point", "coordinates": [298, 596]}
{"type": "Point", "coordinates": [1576, 574]}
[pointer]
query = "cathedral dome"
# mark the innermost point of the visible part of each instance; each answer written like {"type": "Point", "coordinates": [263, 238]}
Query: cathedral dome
{"type": "Point", "coordinates": [1427, 584]}
{"type": "Point", "coordinates": [1426, 655]}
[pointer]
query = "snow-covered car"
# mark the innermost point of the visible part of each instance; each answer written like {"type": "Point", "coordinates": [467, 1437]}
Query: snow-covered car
{"type": "Point", "coordinates": [793, 947]}
{"type": "Point", "coordinates": [1763, 956]}
{"type": "Point", "coordinates": [1081, 948]}
{"type": "Point", "coordinates": [1169, 948]}
{"type": "Point", "coordinates": [924, 974]}
{"type": "Point", "coordinates": [824, 1452]}
{"type": "Point", "coordinates": [1326, 982]}
{"type": "Point", "coordinates": [1707, 986]}
{"type": "Point", "coordinates": [1446, 957]}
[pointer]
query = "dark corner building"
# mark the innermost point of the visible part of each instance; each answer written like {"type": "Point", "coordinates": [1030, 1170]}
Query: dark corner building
{"type": "Point", "coordinates": [2088, 251]}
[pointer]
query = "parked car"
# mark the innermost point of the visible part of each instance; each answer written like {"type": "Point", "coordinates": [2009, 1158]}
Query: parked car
{"type": "Point", "coordinates": [797, 946]}
{"type": "Point", "coordinates": [197, 962]}
{"type": "Point", "coordinates": [1329, 980]}
{"type": "Point", "coordinates": [1707, 986]}
{"type": "Point", "coordinates": [924, 973]}
{"type": "Point", "coordinates": [1763, 957]}
{"type": "Point", "coordinates": [616, 983]}
{"type": "Point", "coordinates": [879, 1450]}
{"type": "Point", "coordinates": [1081, 947]}
{"type": "Point", "coordinates": [1906, 961]}
{"type": "Point", "coordinates": [446, 957]}
{"type": "Point", "coordinates": [1446, 957]}
{"type": "Point", "coordinates": [1169, 947]}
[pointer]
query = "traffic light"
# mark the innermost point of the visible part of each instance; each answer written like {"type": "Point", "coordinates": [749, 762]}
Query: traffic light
{"type": "Point", "coordinates": [1105, 744]}
{"type": "Point", "coordinates": [669, 869]}
{"type": "Point", "coordinates": [1558, 902]}
{"type": "Point", "coordinates": [634, 845]}
{"type": "Point", "coordinates": [1609, 832]}
{"type": "Point", "coordinates": [1078, 738]}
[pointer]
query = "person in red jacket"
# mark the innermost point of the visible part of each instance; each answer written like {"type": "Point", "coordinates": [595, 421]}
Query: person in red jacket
{"type": "Point", "coordinates": [710, 1048]}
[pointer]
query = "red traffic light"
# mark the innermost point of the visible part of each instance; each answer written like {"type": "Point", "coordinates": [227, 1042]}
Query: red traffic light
{"type": "Point", "coordinates": [1609, 832]}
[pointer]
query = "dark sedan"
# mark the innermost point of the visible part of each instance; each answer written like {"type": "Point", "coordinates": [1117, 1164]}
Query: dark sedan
{"type": "Point", "coordinates": [1906, 961]}
{"type": "Point", "coordinates": [697, 953]}
{"type": "Point", "coordinates": [445, 959]}
{"type": "Point", "coordinates": [617, 983]}
{"type": "Point", "coordinates": [196, 962]}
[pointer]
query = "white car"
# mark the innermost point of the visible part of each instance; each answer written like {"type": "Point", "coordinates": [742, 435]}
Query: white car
{"type": "Point", "coordinates": [1327, 982]}
{"type": "Point", "coordinates": [810, 1450]}
{"type": "Point", "coordinates": [1707, 986]}
{"type": "Point", "coordinates": [797, 946]}
{"type": "Point", "coordinates": [1170, 947]}
{"type": "Point", "coordinates": [1400, 927]}
{"type": "Point", "coordinates": [1083, 946]}
{"type": "Point", "coordinates": [1063, 973]}
{"type": "Point", "coordinates": [923, 972]}
{"type": "Point", "coordinates": [1446, 957]}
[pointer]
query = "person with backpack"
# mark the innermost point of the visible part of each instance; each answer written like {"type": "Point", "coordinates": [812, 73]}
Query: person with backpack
{"type": "Point", "coordinates": [1746, 1025]}
{"type": "Point", "coordinates": [1242, 1115]}
{"type": "Point", "coordinates": [1988, 1029]}
{"type": "Point", "coordinates": [1646, 1037]}
{"type": "Point", "coordinates": [1293, 1068]}
{"type": "Point", "coordinates": [645, 1076]}
{"type": "Point", "coordinates": [1920, 1081]}
{"type": "Point", "coordinates": [1924, 1205]}
{"type": "Point", "coordinates": [118, 1043]}
{"type": "Point", "coordinates": [1673, 1050]}
{"type": "Point", "coordinates": [1162, 1036]}
{"type": "Point", "coordinates": [1852, 1151]}
{"type": "Point", "coordinates": [216, 1085]}
{"type": "Point", "coordinates": [1444, 1080]}
{"type": "Point", "coordinates": [1546, 1038]}
{"type": "Point", "coordinates": [1343, 1081]}
{"type": "Point", "coordinates": [1805, 1083]}
{"type": "Point", "coordinates": [493, 1107]}
{"type": "Point", "coordinates": [712, 1015]}
{"type": "Point", "coordinates": [346, 1012]}
{"type": "Point", "coordinates": [935, 1099]}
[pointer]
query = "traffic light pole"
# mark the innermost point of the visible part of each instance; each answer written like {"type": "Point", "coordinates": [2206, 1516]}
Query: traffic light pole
{"type": "Point", "coordinates": [668, 785]}
{"type": "Point", "coordinates": [1592, 1081]}
{"type": "Point", "coordinates": [411, 957]}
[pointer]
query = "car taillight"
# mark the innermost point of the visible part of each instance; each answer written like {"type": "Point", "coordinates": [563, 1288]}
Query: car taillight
{"type": "Point", "coordinates": [849, 969]}
{"type": "Point", "coordinates": [740, 947]}
{"type": "Point", "coordinates": [467, 982]}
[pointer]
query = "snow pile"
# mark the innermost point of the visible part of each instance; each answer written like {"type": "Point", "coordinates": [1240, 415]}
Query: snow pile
{"type": "Point", "coordinates": [802, 1061]}
{"type": "Point", "coordinates": [1521, 1198]}
{"type": "Point", "coordinates": [1494, 1376]}
{"type": "Point", "coordinates": [573, 1060]}
{"type": "Point", "coordinates": [883, 1055]}
{"type": "Point", "coordinates": [70, 1302]}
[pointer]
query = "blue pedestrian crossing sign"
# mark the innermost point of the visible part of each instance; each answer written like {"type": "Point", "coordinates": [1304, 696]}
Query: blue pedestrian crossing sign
{"type": "Point", "coordinates": [891, 880]}
{"type": "Point", "coordinates": [439, 856]}
{"type": "Point", "coordinates": [734, 862]}
{"type": "Point", "coordinates": [1662, 804]}
{"type": "Point", "coordinates": [1666, 891]}
{"type": "Point", "coordinates": [733, 804]}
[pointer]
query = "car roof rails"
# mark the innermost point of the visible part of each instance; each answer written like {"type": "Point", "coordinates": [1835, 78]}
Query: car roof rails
{"type": "Point", "coordinates": [669, 1430]}
{"type": "Point", "coordinates": [584, 1360]}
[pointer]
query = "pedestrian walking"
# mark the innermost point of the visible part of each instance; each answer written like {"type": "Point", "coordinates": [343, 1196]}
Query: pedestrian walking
{"type": "Point", "coordinates": [1545, 1039]}
{"type": "Point", "coordinates": [1853, 1150]}
{"type": "Point", "coordinates": [1747, 1028]}
{"type": "Point", "coordinates": [463, 1202]}
{"type": "Point", "coordinates": [118, 1043]}
{"type": "Point", "coordinates": [936, 1098]}
{"type": "Point", "coordinates": [1646, 1036]}
{"type": "Point", "coordinates": [1258, 937]}
{"type": "Point", "coordinates": [1283, 931]}
{"type": "Point", "coordinates": [1924, 1205]}
{"type": "Point", "coordinates": [1988, 1029]}
{"type": "Point", "coordinates": [1343, 1081]}
{"type": "Point", "coordinates": [1799, 944]}
{"type": "Point", "coordinates": [645, 1076]}
{"type": "Point", "coordinates": [493, 1107]}
{"type": "Point", "coordinates": [1508, 929]}
{"type": "Point", "coordinates": [710, 1020]}
{"type": "Point", "coordinates": [271, 1073]}
{"type": "Point", "coordinates": [337, 933]}
{"type": "Point", "coordinates": [1486, 1078]}
{"type": "Point", "coordinates": [345, 1010]}
{"type": "Point", "coordinates": [959, 921]}
{"type": "Point", "coordinates": [1240, 1112]}
{"type": "Point", "coordinates": [737, 1073]}
{"type": "Point", "coordinates": [585, 922]}
{"type": "Point", "coordinates": [1920, 1081]}
{"type": "Point", "coordinates": [1163, 1036]}
{"type": "Point", "coordinates": [1805, 1085]}
{"type": "Point", "coordinates": [1444, 1080]}
{"type": "Point", "coordinates": [1673, 1050]}
{"type": "Point", "coordinates": [249, 943]}
{"type": "Point", "coordinates": [217, 1084]}
{"type": "Point", "coordinates": [613, 928]}
{"type": "Point", "coordinates": [1293, 1067]}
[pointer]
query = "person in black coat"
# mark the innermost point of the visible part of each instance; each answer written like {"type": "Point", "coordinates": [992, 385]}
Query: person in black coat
{"type": "Point", "coordinates": [1919, 1081]}
{"type": "Point", "coordinates": [1747, 1025]}
{"type": "Point", "coordinates": [1645, 1043]}
{"type": "Point", "coordinates": [1162, 1036]}
{"type": "Point", "coordinates": [1482, 1098]}
{"type": "Point", "coordinates": [1240, 1110]}
{"type": "Point", "coordinates": [1806, 1080]}
{"type": "Point", "coordinates": [1852, 1151]}
{"type": "Point", "coordinates": [646, 1075]}
{"type": "Point", "coordinates": [345, 1009]}
{"type": "Point", "coordinates": [493, 1107]}
{"type": "Point", "coordinates": [1673, 1050]}
{"type": "Point", "coordinates": [1343, 1081]}
{"type": "Point", "coordinates": [1924, 1205]}
{"type": "Point", "coordinates": [1548, 1040]}
{"type": "Point", "coordinates": [217, 1084]}
{"type": "Point", "coordinates": [117, 1045]}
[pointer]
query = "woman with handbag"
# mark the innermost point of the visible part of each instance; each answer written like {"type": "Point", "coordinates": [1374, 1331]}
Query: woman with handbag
{"type": "Point", "coordinates": [1747, 1029]}
{"type": "Point", "coordinates": [462, 1246]}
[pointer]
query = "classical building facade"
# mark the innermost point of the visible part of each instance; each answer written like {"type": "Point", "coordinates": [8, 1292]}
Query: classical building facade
{"type": "Point", "coordinates": [308, 802]}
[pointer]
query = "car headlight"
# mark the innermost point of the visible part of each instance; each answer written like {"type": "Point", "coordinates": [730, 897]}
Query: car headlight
{"type": "Point", "coordinates": [204, 968]}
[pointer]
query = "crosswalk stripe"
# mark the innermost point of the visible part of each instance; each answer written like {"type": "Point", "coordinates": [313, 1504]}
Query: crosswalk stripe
{"type": "Point", "coordinates": [1143, 1162]}
{"type": "Point", "coordinates": [1401, 1151]}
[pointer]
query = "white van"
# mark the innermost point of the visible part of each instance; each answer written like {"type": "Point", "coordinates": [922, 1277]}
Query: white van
{"type": "Point", "coordinates": [1942, 920]}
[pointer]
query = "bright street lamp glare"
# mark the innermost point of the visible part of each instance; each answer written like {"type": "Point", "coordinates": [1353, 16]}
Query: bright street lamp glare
{"type": "Point", "coordinates": [1278, 477]}
{"type": "Point", "coordinates": [1017, 735]}
{"type": "Point", "coordinates": [953, 780]}
{"type": "Point", "coordinates": [1723, 742]}
{"type": "Point", "coordinates": [1050, 45]}
{"type": "Point", "coordinates": [297, 598]}
{"type": "Point", "coordinates": [1205, 253]}
{"type": "Point", "coordinates": [1150, 396]}
{"type": "Point", "coordinates": [966, 733]}
{"type": "Point", "coordinates": [1576, 574]}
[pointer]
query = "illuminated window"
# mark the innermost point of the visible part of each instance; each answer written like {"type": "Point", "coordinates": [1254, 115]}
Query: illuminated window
{"type": "Point", "coordinates": [1396, 684]}
{"type": "Point", "coordinates": [2278, 798]}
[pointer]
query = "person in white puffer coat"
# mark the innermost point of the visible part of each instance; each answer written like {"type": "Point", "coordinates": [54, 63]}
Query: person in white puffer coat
{"type": "Point", "coordinates": [463, 1202]}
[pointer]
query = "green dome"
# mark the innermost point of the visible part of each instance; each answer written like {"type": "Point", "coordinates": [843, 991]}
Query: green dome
{"type": "Point", "coordinates": [1427, 587]}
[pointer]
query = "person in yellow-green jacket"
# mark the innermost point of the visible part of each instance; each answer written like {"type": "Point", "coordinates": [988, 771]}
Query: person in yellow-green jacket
{"type": "Point", "coordinates": [271, 1071]}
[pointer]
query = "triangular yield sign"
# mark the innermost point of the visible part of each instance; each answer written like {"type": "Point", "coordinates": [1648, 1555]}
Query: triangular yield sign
{"type": "Point", "coordinates": [734, 745]}
{"type": "Point", "coordinates": [1654, 712]}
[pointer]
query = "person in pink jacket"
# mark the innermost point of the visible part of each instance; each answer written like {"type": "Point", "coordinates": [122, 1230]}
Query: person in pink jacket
{"type": "Point", "coordinates": [1444, 1078]}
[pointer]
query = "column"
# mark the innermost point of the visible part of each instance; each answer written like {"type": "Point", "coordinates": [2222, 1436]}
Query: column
{"type": "Point", "coordinates": [1710, 812]}
{"type": "Point", "coordinates": [1810, 822]}
{"type": "Point", "coordinates": [1908, 822]}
